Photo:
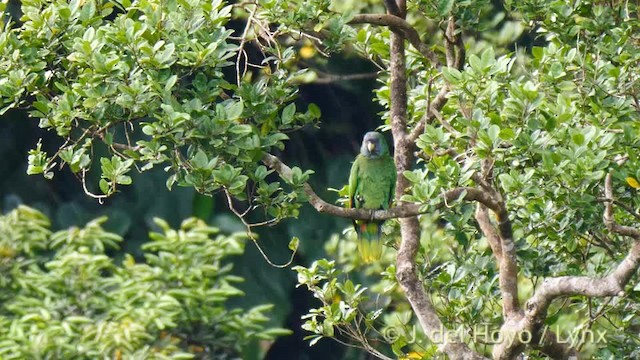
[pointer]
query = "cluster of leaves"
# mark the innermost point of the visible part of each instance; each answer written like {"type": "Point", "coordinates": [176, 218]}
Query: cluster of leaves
{"type": "Point", "coordinates": [64, 297]}
{"type": "Point", "coordinates": [319, 18]}
{"type": "Point", "coordinates": [147, 81]}
{"type": "Point", "coordinates": [361, 304]}
{"type": "Point", "coordinates": [373, 317]}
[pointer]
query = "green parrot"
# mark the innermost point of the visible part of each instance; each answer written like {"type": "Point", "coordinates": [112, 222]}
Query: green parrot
{"type": "Point", "coordinates": [372, 183]}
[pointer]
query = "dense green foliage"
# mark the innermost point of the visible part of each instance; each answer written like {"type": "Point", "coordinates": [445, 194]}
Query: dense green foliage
{"type": "Point", "coordinates": [548, 96]}
{"type": "Point", "coordinates": [64, 297]}
{"type": "Point", "coordinates": [96, 70]}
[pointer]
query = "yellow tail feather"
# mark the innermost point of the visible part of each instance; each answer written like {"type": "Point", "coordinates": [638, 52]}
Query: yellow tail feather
{"type": "Point", "coordinates": [370, 244]}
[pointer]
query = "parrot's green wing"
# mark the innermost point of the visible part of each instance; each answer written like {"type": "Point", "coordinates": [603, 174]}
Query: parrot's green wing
{"type": "Point", "coordinates": [353, 183]}
{"type": "Point", "coordinates": [392, 186]}
{"type": "Point", "coordinates": [371, 186]}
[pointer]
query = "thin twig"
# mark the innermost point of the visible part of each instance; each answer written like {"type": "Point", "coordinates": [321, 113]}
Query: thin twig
{"type": "Point", "coordinates": [252, 236]}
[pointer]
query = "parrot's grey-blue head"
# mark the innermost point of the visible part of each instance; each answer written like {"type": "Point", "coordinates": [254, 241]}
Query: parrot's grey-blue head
{"type": "Point", "coordinates": [374, 145]}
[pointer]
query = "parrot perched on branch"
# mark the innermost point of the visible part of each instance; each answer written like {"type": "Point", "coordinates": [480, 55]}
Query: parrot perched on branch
{"type": "Point", "coordinates": [372, 183]}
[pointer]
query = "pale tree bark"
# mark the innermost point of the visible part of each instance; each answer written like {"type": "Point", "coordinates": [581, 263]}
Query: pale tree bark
{"type": "Point", "coordinates": [406, 271]}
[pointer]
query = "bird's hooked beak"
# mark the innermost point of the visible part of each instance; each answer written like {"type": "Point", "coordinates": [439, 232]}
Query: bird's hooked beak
{"type": "Point", "coordinates": [371, 146]}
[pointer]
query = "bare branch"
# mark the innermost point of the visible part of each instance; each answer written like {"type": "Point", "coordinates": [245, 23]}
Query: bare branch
{"type": "Point", "coordinates": [250, 233]}
{"type": "Point", "coordinates": [402, 5]}
{"type": "Point", "coordinates": [449, 42]}
{"type": "Point", "coordinates": [623, 206]}
{"type": "Point", "coordinates": [610, 285]}
{"type": "Point", "coordinates": [436, 105]}
{"type": "Point", "coordinates": [398, 24]}
{"type": "Point", "coordinates": [241, 51]}
{"type": "Point", "coordinates": [508, 266]}
{"type": "Point", "coordinates": [500, 237]}
{"type": "Point", "coordinates": [460, 52]}
{"type": "Point", "coordinates": [100, 198]}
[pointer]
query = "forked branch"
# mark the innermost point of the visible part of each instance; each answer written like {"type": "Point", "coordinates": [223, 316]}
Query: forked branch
{"type": "Point", "coordinates": [552, 288]}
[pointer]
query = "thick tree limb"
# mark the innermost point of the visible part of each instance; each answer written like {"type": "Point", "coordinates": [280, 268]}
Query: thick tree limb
{"type": "Point", "coordinates": [398, 24]}
{"type": "Point", "coordinates": [487, 228]}
{"type": "Point", "coordinates": [500, 238]}
{"type": "Point", "coordinates": [402, 5]}
{"type": "Point", "coordinates": [449, 42]}
{"type": "Point", "coordinates": [508, 266]}
{"type": "Point", "coordinates": [552, 288]}
{"type": "Point", "coordinates": [610, 285]}
{"type": "Point", "coordinates": [501, 243]}
{"type": "Point", "coordinates": [454, 46]}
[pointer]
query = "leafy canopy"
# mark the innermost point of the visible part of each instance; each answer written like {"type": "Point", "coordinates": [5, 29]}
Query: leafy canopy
{"type": "Point", "coordinates": [64, 297]}
{"type": "Point", "coordinates": [547, 97]}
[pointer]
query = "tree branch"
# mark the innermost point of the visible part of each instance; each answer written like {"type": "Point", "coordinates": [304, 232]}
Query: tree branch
{"type": "Point", "coordinates": [508, 266]}
{"type": "Point", "coordinates": [436, 105]}
{"type": "Point", "coordinates": [401, 211]}
{"type": "Point", "coordinates": [487, 228]}
{"type": "Point", "coordinates": [399, 25]}
{"type": "Point", "coordinates": [610, 285]}
{"type": "Point", "coordinates": [500, 238]}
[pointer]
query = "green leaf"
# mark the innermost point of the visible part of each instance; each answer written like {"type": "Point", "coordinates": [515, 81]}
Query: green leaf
{"type": "Point", "coordinates": [234, 111]}
{"type": "Point", "coordinates": [452, 75]}
{"type": "Point", "coordinates": [241, 129]}
{"type": "Point", "coordinates": [507, 182]}
{"type": "Point", "coordinates": [200, 160]}
{"type": "Point", "coordinates": [578, 138]}
{"type": "Point", "coordinates": [293, 244]}
{"type": "Point", "coordinates": [262, 172]}
{"type": "Point", "coordinates": [170, 83]}
{"type": "Point", "coordinates": [314, 111]}
{"type": "Point", "coordinates": [288, 113]}
{"type": "Point", "coordinates": [104, 186]}
{"type": "Point", "coordinates": [444, 7]}
{"type": "Point", "coordinates": [494, 132]}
